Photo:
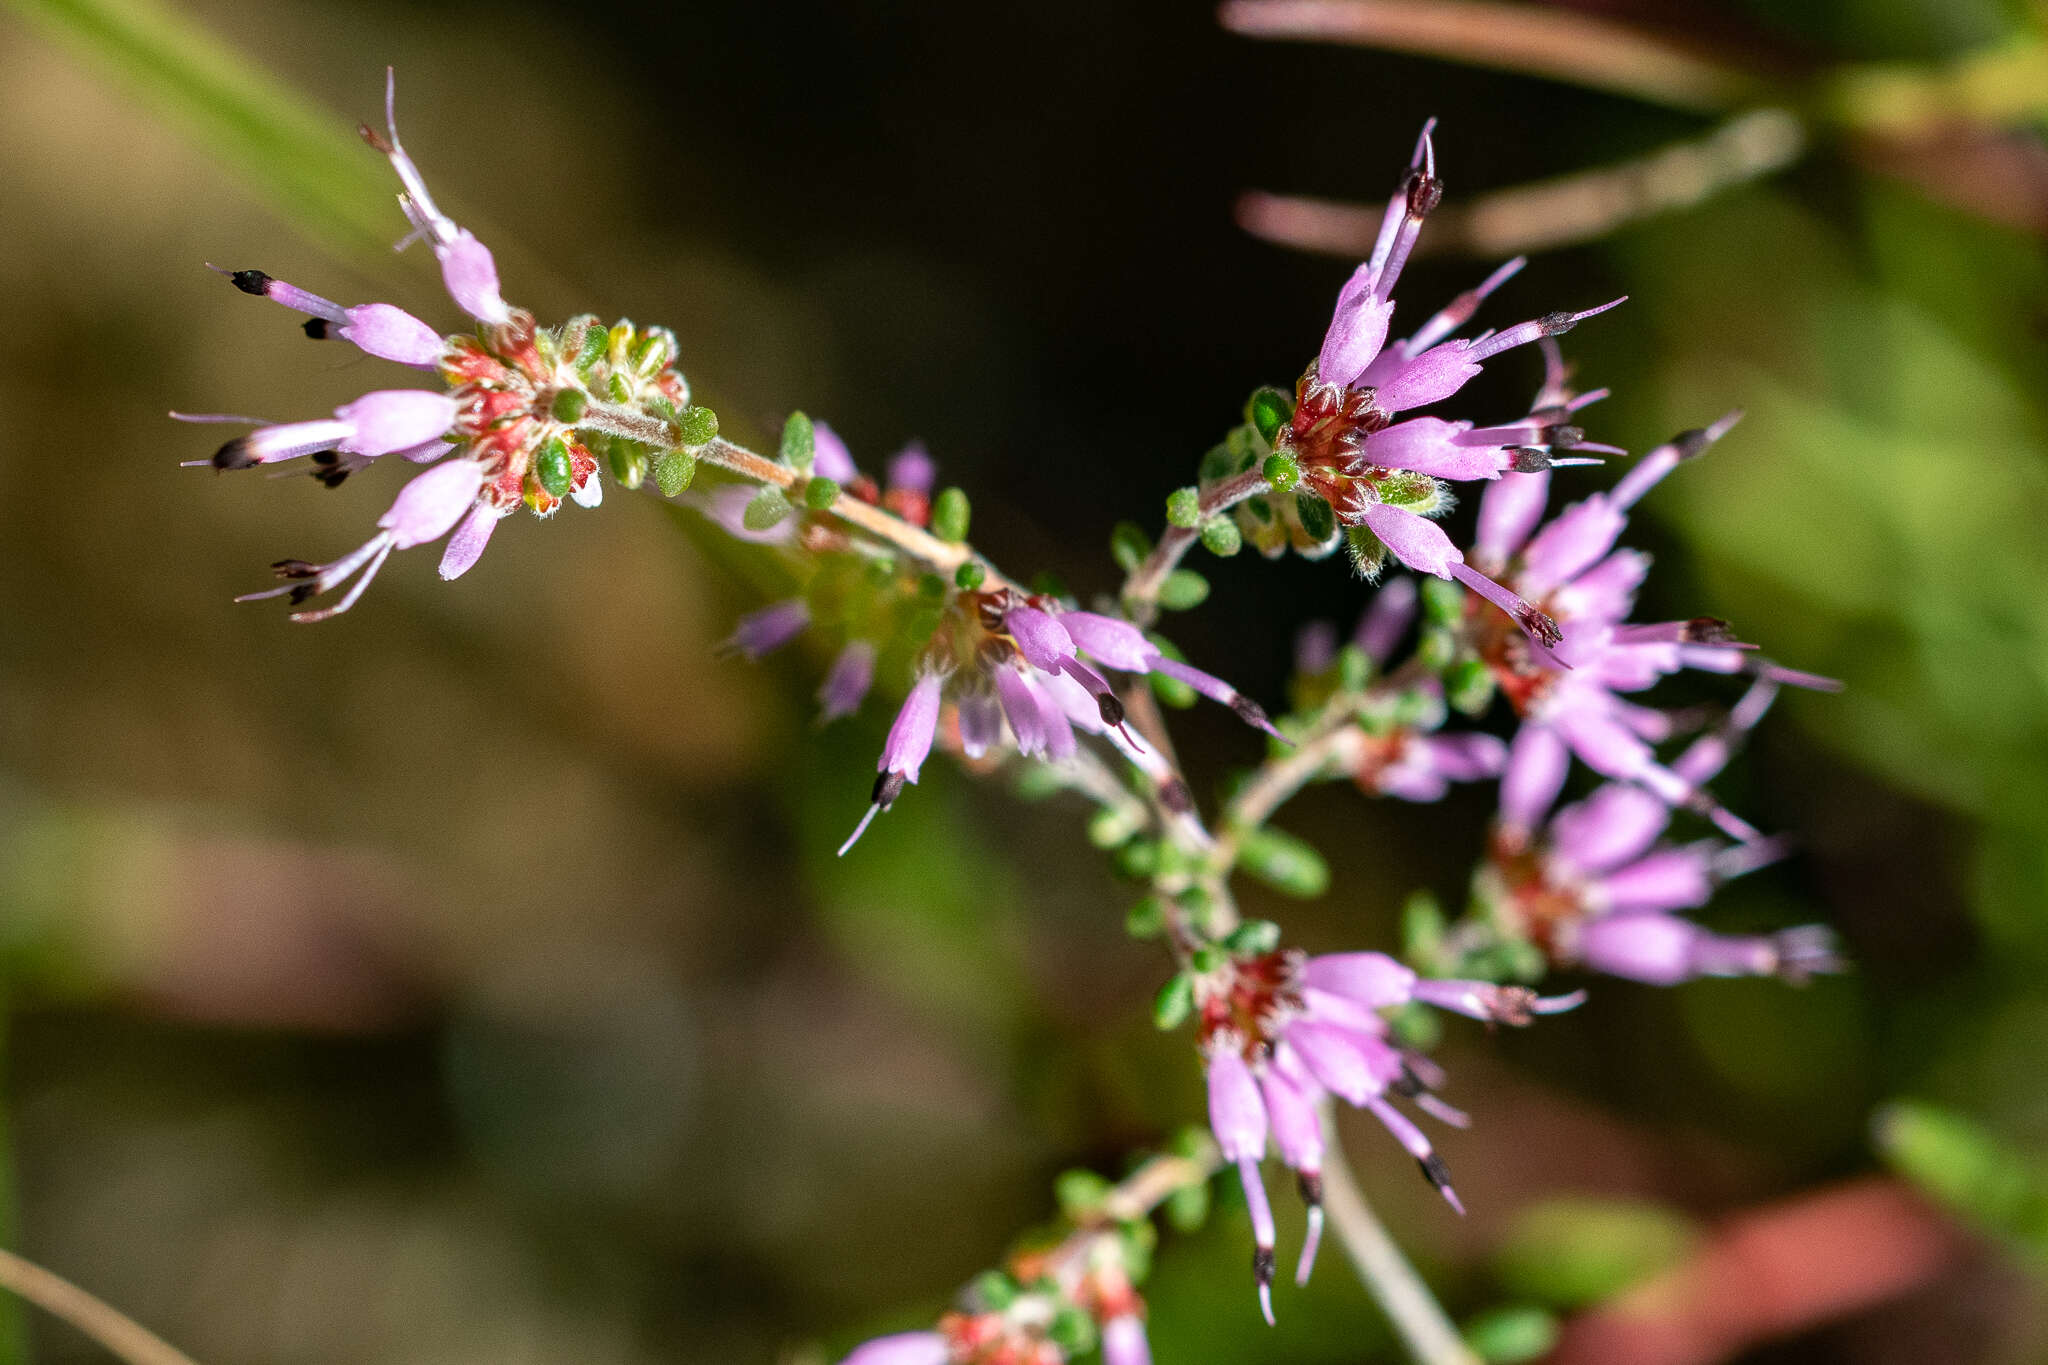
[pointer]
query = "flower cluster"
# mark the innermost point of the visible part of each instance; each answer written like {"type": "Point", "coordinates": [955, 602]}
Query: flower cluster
{"type": "Point", "coordinates": [1534, 613]}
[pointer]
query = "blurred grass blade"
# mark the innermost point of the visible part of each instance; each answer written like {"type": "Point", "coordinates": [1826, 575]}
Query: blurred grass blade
{"type": "Point", "coordinates": [1580, 49]}
{"type": "Point", "coordinates": [301, 158]}
{"type": "Point", "coordinates": [1965, 1167]}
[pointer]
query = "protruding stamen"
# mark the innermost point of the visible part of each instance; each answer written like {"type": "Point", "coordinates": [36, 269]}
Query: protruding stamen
{"type": "Point", "coordinates": [1549, 325]}
{"type": "Point", "coordinates": [1310, 1183]}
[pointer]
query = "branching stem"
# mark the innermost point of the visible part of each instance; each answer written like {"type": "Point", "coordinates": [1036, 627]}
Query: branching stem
{"type": "Point", "coordinates": [1393, 1283]}
{"type": "Point", "coordinates": [60, 1298]}
{"type": "Point", "coordinates": [1141, 589]}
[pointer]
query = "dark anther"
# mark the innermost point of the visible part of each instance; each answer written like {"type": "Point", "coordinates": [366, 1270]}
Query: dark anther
{"type": "Point", "coordinates": [1512, 1005]}
{"type": "Point", "coordinates": [1407, 1085]}
{"type": "Point", "coordinates": [888, 786]}
{"type": "Point", "coordinates": [234, 455]}
{"type": "Point", "coordinates": [1175, 796]}
{"type": "Point", "coordinates": [1690, 443]}
{"type": "Point", "coordinates": [1250, 712]}
{"type": "Point", "coordinates": [1541, 627]}
{"type": "Point", "coordinates": [1556, 324]}
{"type": "Point", "coordinates": [319, 328]}
{"type": "Point", "coordinates": [1112, 710]}
{"type": "Point", "coordinates": [374, 138]}
{"type": "Point", "coordinates": [302, 593]}
{"type": "Point", "coordinates": [1707, 630]}
{"type": "Point", "coordinates": [1434, 1171]}
{"type": "Point", "coordinates": [1527, 459]}
{"type": "Point", "coordinates": [332, 478]}
{"type": "Point", "coordinates": [1565, 437]}
{"type": "Point", "coordinates": [294, 568]}
{"type": "Point", "coordinates": [1311, 1187]}
{"type": "Point", "coordinates": [249, 281]}
{"type": "Point", "coordinates": [1425, 192]}
{"type": "Point", "coordinates": [1262, 1264]}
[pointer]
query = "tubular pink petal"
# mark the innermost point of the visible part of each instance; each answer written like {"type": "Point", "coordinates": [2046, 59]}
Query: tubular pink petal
{"type": "Point", "coordinates": [1428, 445]}
{"type": "Point", "coordinates": [910, 737]}
{"type": "Point", "coordinates": [1534, 622]}
{"type": "Point", "coordinates": [1509, 510]}
{"type": "Point", "coordinates": [1672, 879]}
{"type": "Point", "coordinates": [1386, 619]}
{"type": "Point", "coordinates": [471, 275]}
{"type": "Point", "coordinates": [1115, 643]}
{"type": "Point", "coordinates": [466, 546]}
{"type": "Point", "coordinates": [428, 507]}
{"type": "Point", "coordinates": [395, 419]}
{"type": "Point", "coordinates": [1237, 1113]}
{"type": "Point", "coordinates": [1574, 540]}
{"type": "Point", "coordinates": [1428, 377]}
{"type": "Point", "coordinates": [1357, 331]}
{"type": "Point", "coordinates": [1615, 824]}
{"type": "Point", "coordinates": [1549, 325]}
{"type": "Point", "coordinates": [1538, 762]}
{"type": "Point", "coordinates": [1123, 1341]}
{"type": "Point", "coordinates": [913, 469]}
{"type": "Point", "coordinates": [1020, 704]}
{"type": "Point", "coordinates": [847, 681]}
{"type": "Point", "coordinates": [761, 632]}
{"type": "Point", "coordinates": [391, 333]}
{"type": "Point", "coordinates": [1040, 638]}
{"type": "Point", "coordinates": [1374, 980]}
{"type": "Point", "coordinates": [905, 1348]}
{"type": "Point", "coordinates": [830, 459]}
{"type": "Point", "coordinates": [1415, 541]}
{"type": "Point", "coordinates": [1418, 1145]}
{"type": "Point", "coordinates": [1460, 310]}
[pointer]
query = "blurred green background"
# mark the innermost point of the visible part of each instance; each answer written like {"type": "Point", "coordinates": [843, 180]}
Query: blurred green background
{"type": "Point", "coordinates": [469, 980]}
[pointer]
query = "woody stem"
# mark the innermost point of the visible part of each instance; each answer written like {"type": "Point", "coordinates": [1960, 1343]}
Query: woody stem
{"type": "Point", "coordinates": [1141, 589]}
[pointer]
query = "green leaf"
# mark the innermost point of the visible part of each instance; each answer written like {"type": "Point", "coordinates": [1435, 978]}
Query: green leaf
{"type": "Point", "coordinates": [696, 426]}
{"type": "Point", "coordinates": [1268, 410]}
{"type": "Point", "coordinates": [1184, 507]}
{"type": "Point", "coordinates": [1511, 1334]}
{"type": "Point", "coordinates": [1128, 545]}
{"type": "Point", "coordinates": [768, 509]}
{"type": "Point", "coordinates": [1318, 518]}
{"type": "Point", "coordinates": [799, 442]}
{"type": "Point", "coordinates": [1183, 589]}
{"type": "Point", "coordinates": [969, 576]}
{"type": "Point", "coordinates": [1146, 919]}
{"type": "Point", "coordinates": [673, 471]}
{"type": "Point", "coordinates": [1566, 1253]}
{"type": "Point", "coordinates": [820, 494]}
{"type": "Point", "coordinates": [950, 516]}
{"type": "Point", "coordinates": [1080, 1193]}
{"type": "Point", "coordinates": [1221, 536]}
{"type": "Point", "coordinates": [1284, 862]}
{"type": "Point", "coordinates": [1965, 1166]}
{"type": "Point", "coordinates": [1175, 1001]}
{"type": "Point", "coordinates": [552, 467]}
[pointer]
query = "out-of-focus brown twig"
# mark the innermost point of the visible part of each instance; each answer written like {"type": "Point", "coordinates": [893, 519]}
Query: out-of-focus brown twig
{"type": "Point", "coordinates": [1782, 1269]}
{"type": "Point", "coordinates": [1580, 49]}
{"type": "Point", "coordinates": [1550, 213]}
{"type": "Point", "coordinates": [111, 1328]}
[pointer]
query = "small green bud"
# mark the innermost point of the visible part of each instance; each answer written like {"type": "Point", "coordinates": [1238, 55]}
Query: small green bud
{"type": "Point", "coordinates": [1187, 1208]}
{"type": "Point", "coordinates": [1284, 863]}
{"type": "Point", "coordinates": [1109, 827]}
{"type": "Point", "coordinates": [1468, 686]}
{"type": "Point", "coordinates": [617, 389]}
{"type": "Point", "coordinates": [950, 515]}
{"type": "Point", "coordinates": [1221, 536]}
{"type": "Point", "coordinates": [1182, 590]}
{"type": "Point", "coordinates": [1079, 1193]}
{"type": "Point", "coordinates": [768, 509]}
{"type": "Point", "coordinates": [673, 470]}
{"type": "Point", "coordinates": [1138, 859]}
{"type": "Point", "coordinates": [1422, 930]}
{"type": "Point", "coordinates": [569, 405]}
{"type": "Point", "coordinates": [1268, 410]}
{"type": "Point", "coordinates": [994, 1290]}
{"type": "Point", "coordinates": [1435, 650]}
{"type": "Point", "coordinates": [696, 426]}
{"type": "Point", "coordinates": [799, 442]}
{"type": "Point", "coordinates": [1184, 507]}
{"type": "Point", "coordinates": [1208, 958]}
{"type": "Point", "coordinates": [1146, 919]}
{"type": "Point", "coordinates": [1508, 1336]}
{"type": "Point", "coordinates": [1282, 472]}
{"type": "Point", "coordinates": [596, 341]}
{"type": "Point", "coordinates": [1072, 1330]}
{"type": "Point", "coordinates": [969, 576]}
{"type": "Point", "coordinates": [1128, 545]}
{"type": "Point", "coordinates": [1175, 1001]}
{"type": "Point", "coordinates": [820, 494]}
{"type": "Point", "coordinates": [1318, 518]}
{"type": "Point", "coordinates": [1354, 668]}
{"type": "Point", "coordinates": [1172, 691]}
{"type": "Point", "coordinates": [1253, 938]}
{"type": "Point", "coordinates": [553, 468]}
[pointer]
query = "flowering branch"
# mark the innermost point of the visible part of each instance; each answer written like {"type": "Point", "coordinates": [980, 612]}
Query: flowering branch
{"type": "Point", "coordinates": [539, 418]}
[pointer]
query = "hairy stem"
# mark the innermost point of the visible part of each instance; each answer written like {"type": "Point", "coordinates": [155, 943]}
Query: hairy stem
{"type": "Point", "coordinates": [1393, 1283]}
{"type": "Point", "coordinates": [1141, 589]}
{"type": "Point", "coordinates": [1332, 743]}
{"type": "Point", "coordinates": [60, 1298]}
